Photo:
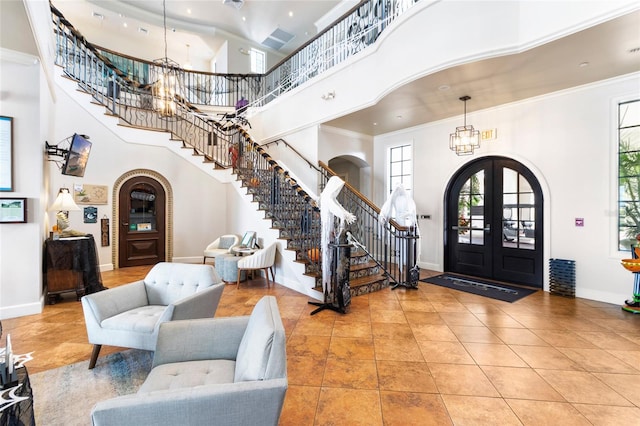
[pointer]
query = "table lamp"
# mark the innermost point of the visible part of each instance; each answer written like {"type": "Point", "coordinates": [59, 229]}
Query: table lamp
{"type": "Point", "coordinates": [63, 204]}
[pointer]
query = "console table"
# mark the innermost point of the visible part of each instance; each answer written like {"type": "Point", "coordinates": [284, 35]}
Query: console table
{"type": "Point", "coordinates": [71, 264]}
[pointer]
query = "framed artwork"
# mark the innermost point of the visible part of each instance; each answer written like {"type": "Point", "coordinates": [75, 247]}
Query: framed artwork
{"type": "Point", "coordinates": [6, 153]}
{"type": "Point", "coordinates": [90, 214]}
{"type": "Point", "coordinates": [13, 210]}
{"type": "Point", "coordinates": [90, 194]}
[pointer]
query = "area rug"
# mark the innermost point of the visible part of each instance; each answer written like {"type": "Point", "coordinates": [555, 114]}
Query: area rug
{"type": "Point", "coordinates": [65, 396]}
{"type": "Point", "coordinates": [480, 287]}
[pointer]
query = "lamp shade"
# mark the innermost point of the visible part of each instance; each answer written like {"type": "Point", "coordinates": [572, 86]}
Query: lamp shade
{"type": "Point", "coordinates": [64, 202]}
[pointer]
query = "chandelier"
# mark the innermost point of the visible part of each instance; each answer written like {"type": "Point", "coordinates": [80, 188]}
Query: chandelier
{"type": "Point", "coordinates": [167, 78]}
{"type": "Point", "coordinates": [465, 139]}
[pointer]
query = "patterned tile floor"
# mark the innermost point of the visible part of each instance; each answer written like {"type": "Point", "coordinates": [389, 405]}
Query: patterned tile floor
{"type": "Point", "coordinates": [434, 356]}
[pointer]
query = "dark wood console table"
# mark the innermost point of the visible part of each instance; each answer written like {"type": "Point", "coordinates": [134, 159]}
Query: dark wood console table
{"type": "Point", "coordinates": [71, 264]}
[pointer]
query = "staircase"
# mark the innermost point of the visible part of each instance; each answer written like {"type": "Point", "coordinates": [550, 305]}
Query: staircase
{"type": "Point", "coordinates": [226, 145]}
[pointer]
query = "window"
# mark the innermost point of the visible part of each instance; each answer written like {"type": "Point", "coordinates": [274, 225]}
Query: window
{"type": "Point", "coordinates": [400, 167]}
{"type": "Point", "coordinates": [628, 173]}
{"type": "Point", "coordinates": [258, 61]}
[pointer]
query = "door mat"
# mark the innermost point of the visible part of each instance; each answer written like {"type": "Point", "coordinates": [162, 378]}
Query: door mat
{"type": "Point", "coordinates": [480, 287]}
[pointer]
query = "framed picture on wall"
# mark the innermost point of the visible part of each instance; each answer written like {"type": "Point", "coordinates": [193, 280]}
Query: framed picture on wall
{"type": "Point", "coordinates": [13, 210]}
{"type": "Point", "coordinates": [6, 153]}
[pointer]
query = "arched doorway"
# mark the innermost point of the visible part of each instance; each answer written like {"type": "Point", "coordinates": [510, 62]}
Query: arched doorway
{"type": "Point", "coordinates": [494, 227]}
{"type": "Point", "coordinates": [142, 217]}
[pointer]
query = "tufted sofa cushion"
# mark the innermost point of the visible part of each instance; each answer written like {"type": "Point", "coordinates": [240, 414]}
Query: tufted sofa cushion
{"type": "Point", "coordinates": [168, 282]}
{"type": "Point", "coordinates": [189, 374]}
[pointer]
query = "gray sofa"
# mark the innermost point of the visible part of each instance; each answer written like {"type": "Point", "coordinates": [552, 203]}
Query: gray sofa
{"type": "Point", "coordinates": [219, 371]}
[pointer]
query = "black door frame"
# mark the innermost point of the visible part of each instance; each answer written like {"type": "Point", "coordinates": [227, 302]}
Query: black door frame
{"type": "Point", "coordinates": [498, 251]}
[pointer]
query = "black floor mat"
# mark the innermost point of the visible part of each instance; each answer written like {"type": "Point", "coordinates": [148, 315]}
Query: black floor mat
{"type": "Point", "coordinates": [480, 287]}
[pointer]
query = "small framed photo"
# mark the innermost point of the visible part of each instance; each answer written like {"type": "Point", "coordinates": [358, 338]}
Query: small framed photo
{"type": "Point", "coordinates": [13, 210]}
{"type": "Point", "coordinates": [90, 215]}
{"type": "Point", "coordinates": [144, 227]}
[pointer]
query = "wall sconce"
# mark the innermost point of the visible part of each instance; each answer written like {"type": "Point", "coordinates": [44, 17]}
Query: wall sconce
{"type": "Point", "coordinates": [63, 204]}
{"type": "Point", "coordinates": [329, 95]}
{"type": "Point", "coordinates": [465, 139]}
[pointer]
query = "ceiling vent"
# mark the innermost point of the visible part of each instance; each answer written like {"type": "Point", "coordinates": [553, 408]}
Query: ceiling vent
{"type": "Point", "coordinates": [277, 39]}
{"type": "Point", "coordinates": [234, 3]}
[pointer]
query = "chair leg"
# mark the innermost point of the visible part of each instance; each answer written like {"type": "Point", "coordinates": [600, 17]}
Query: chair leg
{"type": "Point", "coordinates": [94, 356]}
{"type": "Point", "coordinates": [238, 280]}
{"type": "Point", "coordinates": [266, 275]}
{"type": "Point", "coordinates": [273, 275]}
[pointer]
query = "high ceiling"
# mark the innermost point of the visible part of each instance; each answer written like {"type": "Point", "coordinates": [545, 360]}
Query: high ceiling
{"type": "Point", "coordinates": [603, 51]}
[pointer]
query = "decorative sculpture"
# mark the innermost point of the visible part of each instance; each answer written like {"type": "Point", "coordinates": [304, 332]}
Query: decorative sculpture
{"type": "Point", "coordinates": [334, 219]}
{"type": "Point", "coordinates": [401, 207]}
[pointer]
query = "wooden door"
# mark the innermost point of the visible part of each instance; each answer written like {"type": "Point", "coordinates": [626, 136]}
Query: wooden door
{"type": "Point", "coordinates": [142, 222]}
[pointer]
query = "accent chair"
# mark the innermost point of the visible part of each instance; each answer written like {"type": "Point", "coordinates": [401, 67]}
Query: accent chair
{"type": "Point", "coordinates": [130, 315]}
{"type": "Point", "coordinates": [221, 245]}
{"type": "Point", "coordinates": [224, 371]}
{"type": "Point", "coordinates": [261, 259]}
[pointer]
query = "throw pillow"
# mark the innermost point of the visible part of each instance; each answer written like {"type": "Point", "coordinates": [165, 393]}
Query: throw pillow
{"type": "Point", "coordinates": [226, 242]}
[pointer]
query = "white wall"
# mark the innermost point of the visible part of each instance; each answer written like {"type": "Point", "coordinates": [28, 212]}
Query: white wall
{"type": "Point", "coordinates": [568, 139]}
{"type": "Point", "coordinates": [492, 28]}
{"type": "Point", "coordinates": [21, 244]}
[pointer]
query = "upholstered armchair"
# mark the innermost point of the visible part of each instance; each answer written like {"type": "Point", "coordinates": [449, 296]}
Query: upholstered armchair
{"type": "Point", "coordinates": [261, 259]}
{"type": "Point", "coordinates": [130, 315]}
{"type": "Point", "coordinates": [221, 245]}
{"type": "Point", "coordinates": [224, 371]}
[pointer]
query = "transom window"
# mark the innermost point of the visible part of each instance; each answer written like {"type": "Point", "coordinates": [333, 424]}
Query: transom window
{"type": "Point", "coordinates": [400, 167]}
{"type": "Point", "coordinates": [628, 173]}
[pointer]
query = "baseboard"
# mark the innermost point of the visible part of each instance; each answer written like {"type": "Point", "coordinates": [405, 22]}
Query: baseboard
{"type": "Point", "coordinates": [22, 310]}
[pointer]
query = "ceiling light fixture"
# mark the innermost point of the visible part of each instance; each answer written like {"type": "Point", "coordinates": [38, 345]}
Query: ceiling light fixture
{"type": "Point", "coordinates": [234, 3]}
{"type": "Point", "coordinates": [167, 79]}
{"type": "Point", "coordinates": [465, 139]}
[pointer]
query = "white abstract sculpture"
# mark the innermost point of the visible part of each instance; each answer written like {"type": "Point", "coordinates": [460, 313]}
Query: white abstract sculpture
{"type": "Point", "coordinates": [400, 207]}
{"type": "Point", "coordinates": [330, 209]}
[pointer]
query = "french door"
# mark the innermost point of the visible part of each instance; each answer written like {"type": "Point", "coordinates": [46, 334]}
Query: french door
{"type": "Point", "coordinates": [494, 222]}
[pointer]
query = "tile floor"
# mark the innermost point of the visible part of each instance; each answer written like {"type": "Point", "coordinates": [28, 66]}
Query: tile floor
{"type": "Point", "coordinates": [433, 356]}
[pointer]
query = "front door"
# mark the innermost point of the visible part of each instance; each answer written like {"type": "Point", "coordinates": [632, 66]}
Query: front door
{"type": "Point", "coordinates": [494, 222]}
{"type": "Point", "coordinates": [142, 222]}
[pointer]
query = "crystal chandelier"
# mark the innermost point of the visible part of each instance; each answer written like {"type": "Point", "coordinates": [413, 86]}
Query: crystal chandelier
{"type": "Point", "coordinates": [168, 76]}
{"type": "Point", "coordinates": [465, 139]}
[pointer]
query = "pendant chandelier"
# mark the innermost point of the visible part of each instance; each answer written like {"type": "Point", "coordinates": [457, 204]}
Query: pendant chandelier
{"type": "Point", "coordinates": [465, 139]}
{"type": "Point", "coordinates": [167, 78]}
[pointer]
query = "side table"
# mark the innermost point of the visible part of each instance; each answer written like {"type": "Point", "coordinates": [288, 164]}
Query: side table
{"type": "Point", "coordinates": [71, 264]}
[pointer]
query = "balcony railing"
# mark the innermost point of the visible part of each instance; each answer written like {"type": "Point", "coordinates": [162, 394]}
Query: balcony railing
{"type": "Point", "coordinates": [354, 32]}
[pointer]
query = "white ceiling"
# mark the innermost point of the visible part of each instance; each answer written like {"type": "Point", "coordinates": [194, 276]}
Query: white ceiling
{"type": "Point", "coordinates": [604, 51]}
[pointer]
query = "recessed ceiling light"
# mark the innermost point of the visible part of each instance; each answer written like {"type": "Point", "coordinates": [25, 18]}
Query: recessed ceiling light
{"type": "Point", "coordinates": [143, 30]}
{"type": "Point", "coordinates": [290, 14]}
{"type": "Point", "coordinates": [124, 24]}
{"type": "Point", "coordinates": [244, 18]}
{"type": "Point", "coordinates": [444, 87]}
{"type": "Point", "coordinates": [98, 15]}
{"type": "Point", "coordinates": [399, 117]}
{"type": "Point", "coordinates": [189, 11]}
{"type": "Point", "coordinates": [375, 123]}
{"type": "Point", "coordinates": [583, 64]}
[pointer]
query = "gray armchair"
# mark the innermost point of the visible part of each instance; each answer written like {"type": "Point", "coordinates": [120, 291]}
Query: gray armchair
{"type": "Point", "coordinates": [130, 315]}
{"type": "Point", "coordinates": [224, 371]}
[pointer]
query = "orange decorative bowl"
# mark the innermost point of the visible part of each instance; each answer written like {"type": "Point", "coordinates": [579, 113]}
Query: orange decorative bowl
{"type": "Point", "coordinates": [632, 265]}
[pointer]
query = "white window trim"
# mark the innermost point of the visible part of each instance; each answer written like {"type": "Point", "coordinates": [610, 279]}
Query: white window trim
{"type": "Point", "coordinates": [387, 179]}
{"type": "Point", "coordinates": [614, 230]}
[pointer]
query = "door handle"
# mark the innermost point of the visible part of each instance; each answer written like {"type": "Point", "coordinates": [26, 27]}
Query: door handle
{"type": "Point", "coordinates": [125, 223]}
{"type": "Point", "coordinates": [487, 227]}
